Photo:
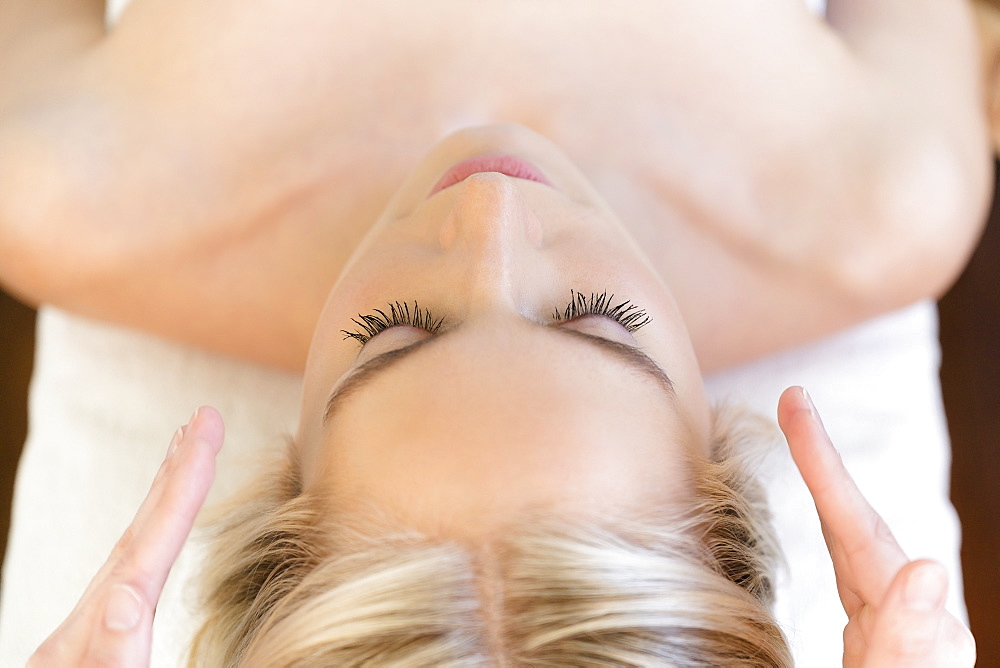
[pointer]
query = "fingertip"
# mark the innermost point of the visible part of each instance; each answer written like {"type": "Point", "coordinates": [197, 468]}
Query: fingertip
{"type": "Point", "coordinates": [795, 403]}
{"type": "Point", "coordinates": [207, 425]}
{"type": "Point", "coordinates": [809, 443]}
{"type": "Point", "coordinates": [790, 402]}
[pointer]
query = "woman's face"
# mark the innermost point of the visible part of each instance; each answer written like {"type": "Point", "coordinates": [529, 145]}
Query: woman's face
{"type": "Point", "coordinates": [502, 408]}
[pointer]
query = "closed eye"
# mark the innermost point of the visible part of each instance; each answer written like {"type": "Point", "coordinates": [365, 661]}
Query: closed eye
{"type": "Point", "coordinates": [625, 313]}
{"type": "Point", "coordinates": [632, 356]}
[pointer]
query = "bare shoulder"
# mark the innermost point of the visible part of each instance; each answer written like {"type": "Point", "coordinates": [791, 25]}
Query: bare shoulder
{"type": "Point", "coordinates": [842, 190]}
{"type": "Point", "coordinates": [179, 173]}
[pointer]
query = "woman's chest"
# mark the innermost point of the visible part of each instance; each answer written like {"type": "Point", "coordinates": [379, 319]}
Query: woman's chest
{"type": "Point", "coordinates": [342, 91]}
{"type": "Point", "coordinates": [691, 116]}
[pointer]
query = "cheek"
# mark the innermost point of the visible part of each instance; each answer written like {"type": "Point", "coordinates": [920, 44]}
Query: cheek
{"type": "Point", "coordinates": [672, 344]}
{"type": "Point", "coordinates": [369, 282]}
{"type": "Point", "coordinates": [693, 399]}
{"type": "Point", "coordinates": [386, 271]}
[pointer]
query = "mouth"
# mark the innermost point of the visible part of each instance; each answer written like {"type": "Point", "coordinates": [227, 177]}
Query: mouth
{"type": "Point", "coordinates": [502, 163]}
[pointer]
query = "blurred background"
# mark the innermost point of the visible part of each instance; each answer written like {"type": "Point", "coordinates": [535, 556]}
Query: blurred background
{"type": "Point", "coordinates": [970, 377]}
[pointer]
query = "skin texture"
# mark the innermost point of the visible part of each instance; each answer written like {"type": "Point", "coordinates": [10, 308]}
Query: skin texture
{"type": "Point", "coordinates": [197, 174]}
{"type": "Point", "coordinates": [500, 414]}
{"type": "Point", "coordinates": [152, 176]}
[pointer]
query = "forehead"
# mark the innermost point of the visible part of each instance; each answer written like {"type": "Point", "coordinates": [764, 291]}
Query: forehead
{"type": "Point", "coordinates": [456, 432]}
{"type": "Point", "coordinates": [510, 375]}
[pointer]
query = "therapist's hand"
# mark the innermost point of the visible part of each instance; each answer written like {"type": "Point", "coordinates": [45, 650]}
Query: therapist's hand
{"type": "Point", "coordinates": [113, 622]}
{"type": "Point", "coordinates": [895, 607]}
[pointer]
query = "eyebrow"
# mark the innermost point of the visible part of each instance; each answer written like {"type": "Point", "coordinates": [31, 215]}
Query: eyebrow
{"type": "Point", "coordinates": [632, 356]}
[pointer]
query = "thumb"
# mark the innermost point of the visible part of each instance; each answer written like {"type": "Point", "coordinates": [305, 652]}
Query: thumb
{"type": "Point", "coordinates": [907, 627]}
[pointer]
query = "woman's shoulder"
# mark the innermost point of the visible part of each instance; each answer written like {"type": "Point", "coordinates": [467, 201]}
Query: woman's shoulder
{"type": "Point", "coordinates": [198, 156]}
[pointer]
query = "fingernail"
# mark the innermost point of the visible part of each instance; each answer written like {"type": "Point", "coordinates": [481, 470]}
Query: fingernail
{"type": "Point", "coordinates": [811, 406]}
{"type": "Point", "coordinates": [926, 588]}
{"type": "Point", "coordinates": [809, 402]}
{"type": "Point", "coordinates": [124, 609]}
{"type": "Point", "coordinates": [179, 435]}
{"type": "Point", "coordinates": [175, 441]}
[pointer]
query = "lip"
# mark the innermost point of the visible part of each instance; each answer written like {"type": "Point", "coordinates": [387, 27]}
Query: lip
{"type": "Point", "coordinates": [503, 163]}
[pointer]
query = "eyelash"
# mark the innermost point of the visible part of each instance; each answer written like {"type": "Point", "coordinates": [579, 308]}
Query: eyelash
{"type": "Point", "coordinates": [627, 314]}
{"type": "Point", "coordinates": [399, 314]}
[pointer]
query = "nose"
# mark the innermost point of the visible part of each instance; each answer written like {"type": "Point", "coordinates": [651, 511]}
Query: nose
{"type": "Point", "coordinates": [492, 231]}
{"type": "Point", "coordinates": [490, 213]}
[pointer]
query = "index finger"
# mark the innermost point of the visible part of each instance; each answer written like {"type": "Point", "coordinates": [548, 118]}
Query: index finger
{"type": "Point", "coordinates": [165, 519]}
{"type": "Point", "coordinates": [860, 543]}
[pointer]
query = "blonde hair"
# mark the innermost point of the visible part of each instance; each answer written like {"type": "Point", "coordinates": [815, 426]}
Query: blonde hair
{"type": "Point", "coordinates": [290, 583]}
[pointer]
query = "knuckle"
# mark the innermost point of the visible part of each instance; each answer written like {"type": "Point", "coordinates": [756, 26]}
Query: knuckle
{"type": "Point", "coordinates": [125, 542]}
